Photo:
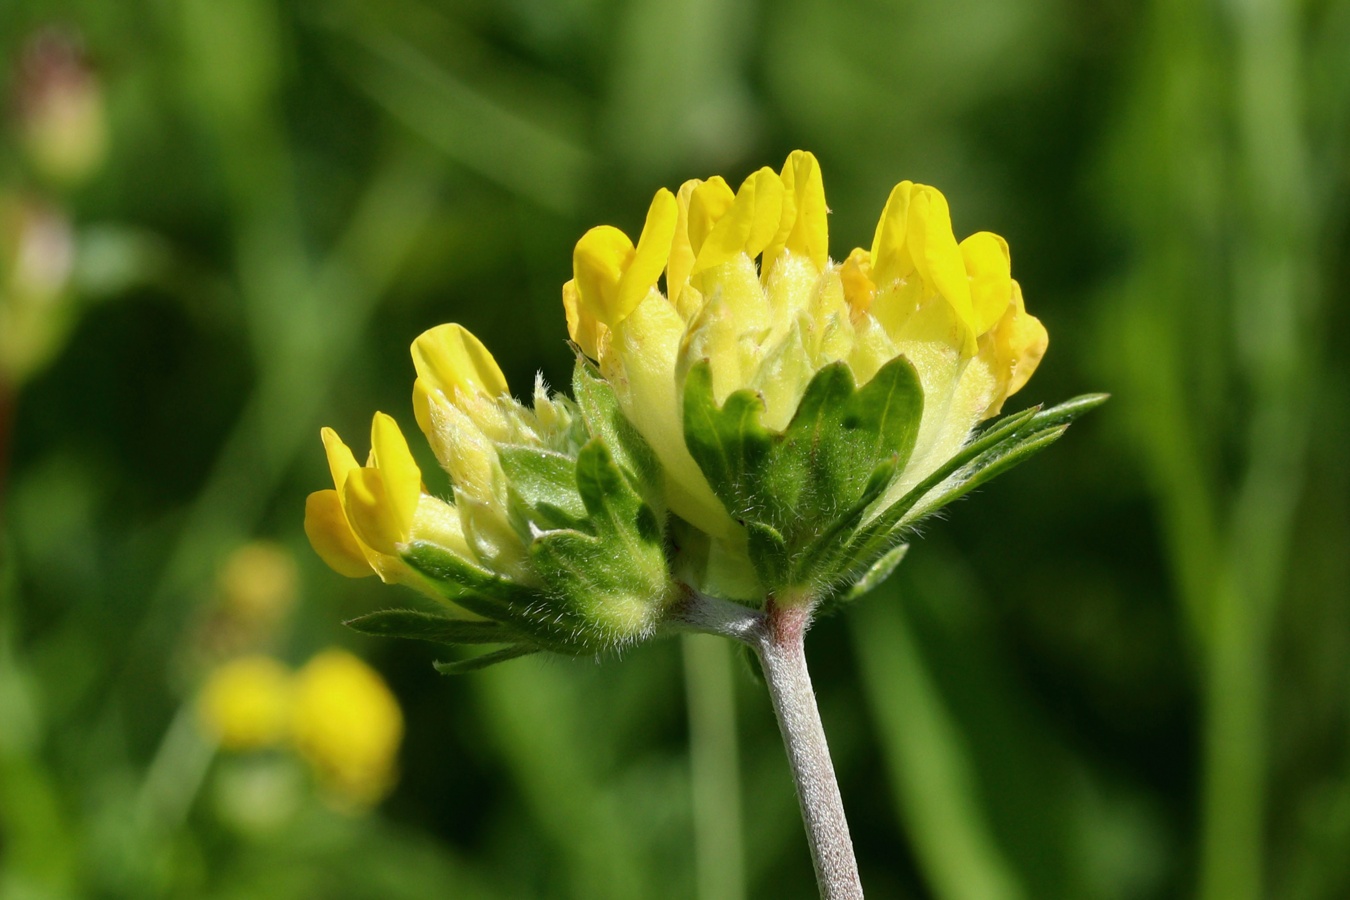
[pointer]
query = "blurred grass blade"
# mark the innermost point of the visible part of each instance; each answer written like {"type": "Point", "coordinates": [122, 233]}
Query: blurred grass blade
{"type": "Point", "coordinates": [714, 762]}
{"type": "Point", "coordinates": [931, 772]}
{"type": "Point", "coordinates": [481, 133]}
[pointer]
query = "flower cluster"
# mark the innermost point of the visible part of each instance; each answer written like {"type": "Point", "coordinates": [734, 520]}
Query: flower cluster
{"type": "Point", "coordinates": [554, 538]}
{"type": "Point", "coordinates": [336, 713]}
{"type": "Point", "coordinates": [753, 303]}
{"type": "Point", "coordinates": [770, 424]}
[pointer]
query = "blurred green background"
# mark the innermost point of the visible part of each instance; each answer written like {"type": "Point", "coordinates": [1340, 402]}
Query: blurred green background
{"type": "Point", "coordinates": [1122, 671]}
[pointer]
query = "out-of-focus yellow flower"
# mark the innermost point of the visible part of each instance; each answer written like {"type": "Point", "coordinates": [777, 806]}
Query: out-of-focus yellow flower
{"type": "Point", "coordinates": [751, 289]}
{"type": "Point", "coordinates": [246, 703]}
{"type": "Point", "coordinates": [347, 725]}
{"type": "Point", "coordinates": [257, 584]}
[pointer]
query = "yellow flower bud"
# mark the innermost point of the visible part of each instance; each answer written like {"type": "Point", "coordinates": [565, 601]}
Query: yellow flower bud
{"type": "Point", "coordinates": [449, 359]}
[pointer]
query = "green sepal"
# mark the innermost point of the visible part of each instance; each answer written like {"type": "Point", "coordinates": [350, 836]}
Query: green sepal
{"type": "Point", "coordinates": [604, 419]}
{"type": "Point", "coordinates": [878, 572]}
{"type": "Point", "coordinates": [769, 553]}
{"type": "Point", "coordinates": [606, 584]}
{"type": "Point", "coordinates": [802, 491]}
{"type": "Point", "coordinates": [543, 486]}
{"type": "Point", "coordinates": [465, 584]}
{"type": "Point", "coordinates": [1002, 445]}
{"type": "Point", "coordinates": [424, 626]}
{"type": "Point", "coordinates": [474, 663]}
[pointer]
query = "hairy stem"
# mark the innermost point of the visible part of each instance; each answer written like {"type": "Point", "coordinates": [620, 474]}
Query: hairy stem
{"type": "Point", "coordinates": [778, 635]}
{"type": "Point", "coordinates": [782, 653]}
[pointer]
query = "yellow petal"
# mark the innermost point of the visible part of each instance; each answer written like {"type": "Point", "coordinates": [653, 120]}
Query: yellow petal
{"type": "Point", "coordinates": [402, 478]}
{"type": "Point", "coordinates": [749, 225]}
{"type": "Point", "coordinates": [598, 264]}
{"type": "Point", "coordinates": [856, 277]}
{"type": "Point", "coordinates": [365, 499]}
{"type": "Point", "coordinates": [989, 270]}
{"type": "Point", "coordinates": [890, 257]}
{"type": "Point", "coordinates": [582, 326]}
{"type": "Point", "coordinates": [1027, 341]}
{"type": "Point", "coordinates": [681, 261]}
{"type": "Point", "coordinates": [933, 247]}
{"type": "Point", "coordinates": [611, 275]}
{"type": "Point", "coordinates": [708, 203]}
{"type": "Point", "coordinates": [804, 229]}
{"type": "Point", "coordinates": [340, 459]}
{"type": "Point", "coordinates": [422, 399]}
{"type": "Point", "coordinates": [449, 359]}
{"type": "Point", "coordinates": [331, 537]}
{"type": "Point", "coordinates": [1012, 349]}
{"type": "Point", "coordinates": [651, 253]}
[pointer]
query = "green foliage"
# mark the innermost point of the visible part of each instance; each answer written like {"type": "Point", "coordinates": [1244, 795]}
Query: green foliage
{"type": "Point", "coordinates": [1003, 444]}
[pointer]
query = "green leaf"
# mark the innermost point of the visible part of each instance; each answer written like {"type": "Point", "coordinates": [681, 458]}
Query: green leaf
{"type": "Point", "coordinates": [423, 626]}
{"type": "Point", "coordinates": [728, 443]}
{"type": "Point", "coordinates": [474, 663]}
{"type": "Point", "coordinates": [988, 466]}
{"type": "Point", "coordinates": [608, 498]}
{"type": "Point", "coordinates": [466, 584]}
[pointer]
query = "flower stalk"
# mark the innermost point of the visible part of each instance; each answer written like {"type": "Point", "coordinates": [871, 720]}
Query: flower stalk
{"type": "Point", "coordinates": [777, 634]}
{"type": "Point", "coordinates": [782, 653]}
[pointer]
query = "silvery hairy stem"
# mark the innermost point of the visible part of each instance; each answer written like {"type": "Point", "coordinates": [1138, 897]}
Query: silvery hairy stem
{"type": "Point", "coordinates": [778, 636]}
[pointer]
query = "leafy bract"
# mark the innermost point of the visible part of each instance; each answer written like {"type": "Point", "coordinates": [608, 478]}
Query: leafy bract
{"type": "Point", "coordinates": [800, 492]}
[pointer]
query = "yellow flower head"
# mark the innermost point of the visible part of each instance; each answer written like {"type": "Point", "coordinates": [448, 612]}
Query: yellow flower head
{"type": "Point", "coordinates": [347, 725]}
{"type": "Point", "coordinates": [548, 535]}
{"type": "Point", "coordinates": [750, 288]}
{"type": "Point", "coordinates": [246, 703]}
